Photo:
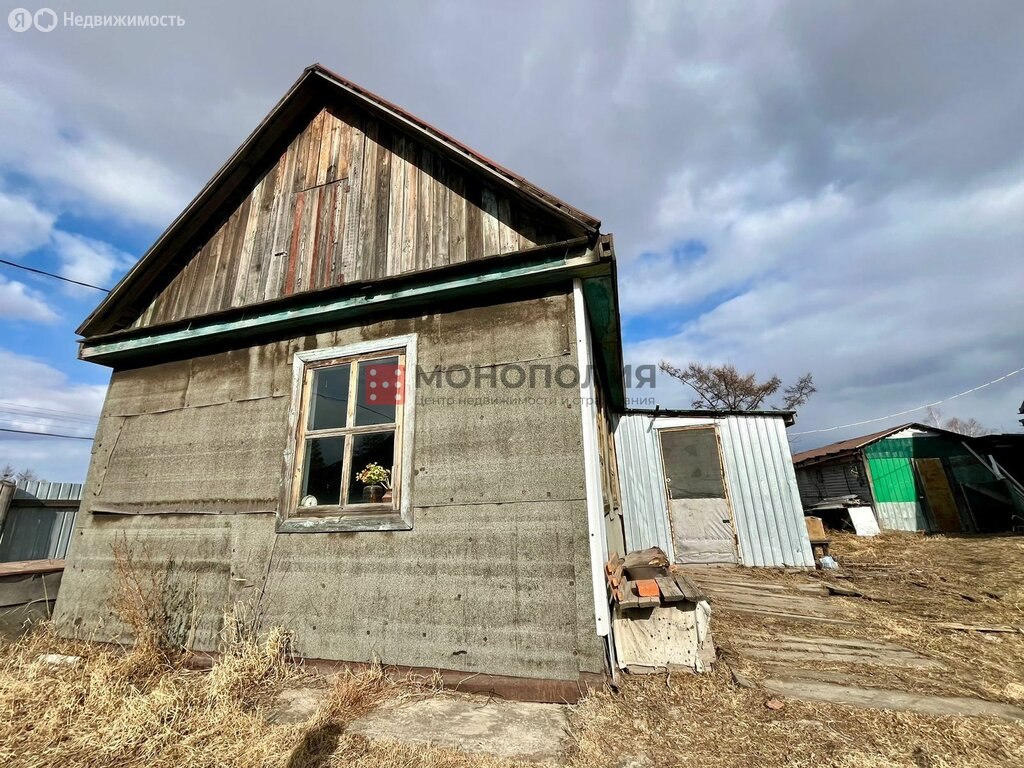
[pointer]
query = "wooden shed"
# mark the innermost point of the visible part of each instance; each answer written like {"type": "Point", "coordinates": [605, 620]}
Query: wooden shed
{"type": "Point", "coordinates": [360, 389]}
{"type": "Point", "coordinates": [916, 477]}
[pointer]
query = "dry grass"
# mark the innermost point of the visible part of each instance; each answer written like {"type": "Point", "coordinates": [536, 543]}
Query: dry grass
{"type": "Point", "coordinates": [923, 581]}
{"type": "Point", "coordinates": [709, 721]}
{"type": "Point", "coordinates": [105, 711]}
{"type": "Point", "coordinates": [144, 707]}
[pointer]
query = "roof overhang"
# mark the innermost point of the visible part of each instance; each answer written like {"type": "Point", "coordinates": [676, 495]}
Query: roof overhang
{"type": "Point", "coordinates": [496, 276]}
{"type": "Point", "coordinates": [788, 417]}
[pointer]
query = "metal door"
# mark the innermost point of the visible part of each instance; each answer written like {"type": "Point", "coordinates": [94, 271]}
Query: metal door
{"type": "Point", "coordinates": [698, 505]}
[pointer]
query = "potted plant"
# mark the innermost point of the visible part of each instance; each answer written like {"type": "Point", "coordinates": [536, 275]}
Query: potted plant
{"type": "Point", "coordinates": [376, 483]}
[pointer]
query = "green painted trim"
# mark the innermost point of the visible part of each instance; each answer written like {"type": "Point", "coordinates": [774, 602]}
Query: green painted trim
{"type": "Point", "coordinates": [599, 297]}
{"type": "Point", "coordinates": [546, 270]}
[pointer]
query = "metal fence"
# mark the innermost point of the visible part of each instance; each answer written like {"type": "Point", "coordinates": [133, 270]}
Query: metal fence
{"type": "Point", "coordinates": [38, 520]}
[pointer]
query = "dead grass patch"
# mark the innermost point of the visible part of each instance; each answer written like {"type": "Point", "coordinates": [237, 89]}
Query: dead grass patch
{"type": "Point", "coordinates": [142, 706]}
{"type": "Point", "coordinates": [709, 721]}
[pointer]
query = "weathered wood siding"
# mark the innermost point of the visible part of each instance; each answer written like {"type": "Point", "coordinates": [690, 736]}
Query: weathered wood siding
{"type": "Point", "coordinates": [349, 199]}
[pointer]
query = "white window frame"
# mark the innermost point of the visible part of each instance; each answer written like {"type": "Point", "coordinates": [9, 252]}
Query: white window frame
{"type": "Point", "coordinates": [290, 518]}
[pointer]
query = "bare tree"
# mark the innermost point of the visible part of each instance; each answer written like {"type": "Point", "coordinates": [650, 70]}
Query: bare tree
{"type": "Point", "coordinates": [969, 427]}
{"type": "Point", "coordinates": [8, 472]}
{"type": "Point", "coordinates": [723, 388]}
{"type": "Point", "coordinates": [797, 393]}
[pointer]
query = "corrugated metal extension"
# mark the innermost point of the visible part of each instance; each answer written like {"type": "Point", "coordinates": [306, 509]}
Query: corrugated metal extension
{"type": "Point", "coordinates": [759, 475]}
{"type": "Point", "coordinates": [641, 484]}
{"type": "Point", "coordinates": [34, 532]}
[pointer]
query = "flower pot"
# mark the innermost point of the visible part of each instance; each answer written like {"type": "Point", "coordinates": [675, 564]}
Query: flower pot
{"type": "Point", "coordinates": [373, 494]}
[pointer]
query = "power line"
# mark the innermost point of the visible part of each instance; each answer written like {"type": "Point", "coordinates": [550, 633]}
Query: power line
{"type": "Point", "coordinates": [25, 413]}
{"type": "Point", "coordinates": [56, 411]}
{"type": "Point", "coordinates": [44, 434]}
{"type": "Point", "coordinates": [50, 274]}
{"type": "Point", "coordinates": [911, 410]}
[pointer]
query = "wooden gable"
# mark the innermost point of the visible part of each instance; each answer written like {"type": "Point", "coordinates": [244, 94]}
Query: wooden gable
{"type": "Point", "coordinates": [351, 198]}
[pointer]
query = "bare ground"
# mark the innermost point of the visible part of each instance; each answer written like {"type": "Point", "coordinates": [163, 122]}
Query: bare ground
{"type": "Point", "coordinates": [145, 708]}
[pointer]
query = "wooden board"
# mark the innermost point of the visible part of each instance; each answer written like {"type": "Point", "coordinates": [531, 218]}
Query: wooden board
{"type": "Point", "coordinates": [690, 591]}
{"type": "Point", "coordinates": [670, 592]}
{"type": "Point", "coordinates": [939, 495]}
{"type": "Point", "coordinates": [880, 698]}
{"type": "Point", "coordinates": [349, 199]}
{"type": "Point", "coordinates": [29, 588]}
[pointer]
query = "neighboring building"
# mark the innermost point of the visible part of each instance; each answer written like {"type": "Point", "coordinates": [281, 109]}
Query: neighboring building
{"type": "Point", "coordinates": [916, 478]}
{"type": "Point", "coordinates": [36, 519]}
{"type": "Point", "coordinates": [347, 251]}
{"type": "Point", "coordinates": [711, 487]}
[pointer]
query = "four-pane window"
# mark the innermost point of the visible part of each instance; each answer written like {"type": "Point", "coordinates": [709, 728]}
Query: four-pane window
{"type": "Point", "coordinates": [350, 435]}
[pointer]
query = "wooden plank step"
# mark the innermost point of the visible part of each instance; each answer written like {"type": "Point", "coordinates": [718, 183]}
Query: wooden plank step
{"type": "Point", "coordinates": [882, 698]}
{"type": "Point", "coordinates": [825, 652]}
{"type": "Point", "coordinates": [789, 672]}
{"type": "Point", "coordinates": [809, 608]}
{"type": "Point", "coordinates": [785, 615]}
{"type": "Point", "coordinates": [822, 647]}
{"type": "Point", "coordinates": [750, 591]}
{"type": "Point", "coordinates": [876, 659]}
{"type": "Point", "coordinates": [752, 582]}
{"type": "Point", "coordinates": [848, 642]}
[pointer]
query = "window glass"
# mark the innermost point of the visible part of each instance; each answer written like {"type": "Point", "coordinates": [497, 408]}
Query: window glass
{"type": "Point", "coordinates": [328, 406]}
{"type": "Point", "coordinates": [371, 448]}
{"type": "Point", "coordinates": [380, 391]}
{"type": "Point", "coordinates": [321, 482]}
{"type": "Point", "coordinates": [693, 467]}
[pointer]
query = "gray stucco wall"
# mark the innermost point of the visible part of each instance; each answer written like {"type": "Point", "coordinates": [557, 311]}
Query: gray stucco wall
{"type": "Point", "coordinates": [495, 575]}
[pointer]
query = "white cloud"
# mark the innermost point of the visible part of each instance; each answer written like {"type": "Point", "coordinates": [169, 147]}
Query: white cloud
{"type": "Point", "coordinates": [88, 260]}
{"type": "Point", "coordinates": [37, 397]}
{"type": "Point", "coordinates": [857, 184]}
{"type": "Point", "coordinates": [19, 302]}
{"type": "Point", "coordinates": [891, 303]}
{"type": "Point", "coordinates": [83, 170]}
{"type": "Point", "coordinates": [24, 226]}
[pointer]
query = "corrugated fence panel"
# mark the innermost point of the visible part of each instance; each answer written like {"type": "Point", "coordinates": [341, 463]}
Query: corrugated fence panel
{"type": "Point", "coordinates": [892, 479]}
{"type": "Point", "coordinates": [35, 532]}
{"type": "Point", "coordinates": [763, 491]}
{"type": "Point", "coordinates": [641, 483]}
{"type": "Point", "coordinates": [760, 478]}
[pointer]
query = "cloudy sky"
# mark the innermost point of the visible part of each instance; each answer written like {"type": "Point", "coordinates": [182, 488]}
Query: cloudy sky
{"type": "Point", "coordinates": [792, 186]}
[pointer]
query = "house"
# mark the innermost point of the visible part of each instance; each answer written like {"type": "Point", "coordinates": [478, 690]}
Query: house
{"type": "Point", "coordinates": [711, 487]}
{"type": "Point", "coordinates": [918, 477]}
{"type": "Point", "coordinates": [368, 386]}
{"type": "Point", "coordinates": [360, 387]}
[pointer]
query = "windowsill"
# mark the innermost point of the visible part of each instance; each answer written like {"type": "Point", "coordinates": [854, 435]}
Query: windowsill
{"type": "Point", "coordinates": [325, 522]}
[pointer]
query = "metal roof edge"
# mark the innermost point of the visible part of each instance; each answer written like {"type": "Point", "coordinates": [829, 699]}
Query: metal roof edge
{"type": "Point", "coordinates": [788, 416]}
{"type": "Point", "coordinates": [314, 307]}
